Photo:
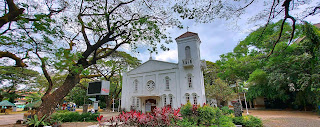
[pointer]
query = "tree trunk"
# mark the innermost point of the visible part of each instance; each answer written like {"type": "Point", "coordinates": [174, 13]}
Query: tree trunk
{"type": "Point", "coordinates": [108, 106]}
{"type": "Point", "coordinates": [50, 101]}
{"type": "Point", "coordinates": [219, 103]}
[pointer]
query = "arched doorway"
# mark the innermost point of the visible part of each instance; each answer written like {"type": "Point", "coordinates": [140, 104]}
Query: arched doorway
{"type": "Point", "coordinates": [150, 105]}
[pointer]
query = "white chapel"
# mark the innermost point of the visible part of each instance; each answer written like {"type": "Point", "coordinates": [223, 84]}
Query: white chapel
{"type": "Point", "coordinates": [158, 83]}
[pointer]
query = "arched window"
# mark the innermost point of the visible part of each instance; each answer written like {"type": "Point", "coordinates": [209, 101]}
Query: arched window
{"type": "Point", "coordinates": [167, 83]}
{"type": "Point", "coordinates": [138, 102]}
{"type": "Point", "coordinates": [190, 80]}
{"type": "Point", "coordinates": [195, 100]}
{"type": "Point", "coordinates": [170, 99]}
{"type": "Point", "coordinates": [135, 83]}
{"type": "Point", "coordinates": [164, 100]}
{"type": "Point", "coordinates": [187, 51]}
{"type": "Point", "coordinates": [187, 97]}
{"type": "Point", "coordinates": [133, 102]}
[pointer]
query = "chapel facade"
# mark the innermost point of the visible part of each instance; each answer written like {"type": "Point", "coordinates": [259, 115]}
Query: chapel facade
{"type": "Point", "coordinates": [158, 83]}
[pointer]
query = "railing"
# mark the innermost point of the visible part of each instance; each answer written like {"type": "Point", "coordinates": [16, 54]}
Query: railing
{"type": "Point", "coordinates": [187, 62]}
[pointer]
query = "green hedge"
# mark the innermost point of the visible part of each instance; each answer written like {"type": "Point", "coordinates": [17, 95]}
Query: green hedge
{"type": "Point", "coordinates": [74, 116]}
{"type": "Point", "coordinates": [248, 121]}
{"type": "Point", "coordinates": [226, 110]}
{"type": "Point", "coordinates": [195, 115]}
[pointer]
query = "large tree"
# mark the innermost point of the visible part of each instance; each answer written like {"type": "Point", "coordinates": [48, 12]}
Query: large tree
{"type": "Point", "coordinates": [289, 76]}
{"type": "Point", "coordinates": [80, 34]}
{"type": "Point", "coordinates": [220, 90]}
{"type": "Point", "coordinates": [13, 78]}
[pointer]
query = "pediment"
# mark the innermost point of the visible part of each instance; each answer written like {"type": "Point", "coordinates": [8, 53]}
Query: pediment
{"type": "Point", "coordinates": [153, 65]}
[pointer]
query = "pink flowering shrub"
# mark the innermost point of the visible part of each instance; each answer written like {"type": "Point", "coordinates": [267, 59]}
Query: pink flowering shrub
{"type": "Point", "coordinates": [160, 117]}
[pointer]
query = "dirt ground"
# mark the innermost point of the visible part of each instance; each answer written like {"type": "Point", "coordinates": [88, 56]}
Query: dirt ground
{"type": "Point", "coordinates": [279, 118]}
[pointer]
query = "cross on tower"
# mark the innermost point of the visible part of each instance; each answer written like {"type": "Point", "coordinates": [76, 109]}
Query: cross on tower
{"type": "Point", "coordinates": [150, 58]}
{"type": "Point", "coordinates": [187, 28]}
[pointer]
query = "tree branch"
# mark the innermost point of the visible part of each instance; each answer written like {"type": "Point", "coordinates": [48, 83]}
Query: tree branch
{"type": "Point", "coordinates": [43, 65]}
{"type": "Point", "coordinates": [84, 32]}
{"type": "Point", "coordinates": [19, 62]}
{"type": "Point", "coordinates": [269, 19]}
{"type": "Point", "coordinates": [286, 5]}
{"type": "Point", "coordinates": [245, 6]}
{"type": "Point", "coordinates": [107, 54]}
{"type": "Point", "coordinates": [110, 51]}
{"type": "Point", "coordinates": [122, 3]}
{"type": "Point", "coordinates": [9, 28]}
{"type": "Point", "coordinates": [96, 68]}
{"type": "Point", "coordinates": [14, 12]}
{"type": "Point", "coordinates": [313, 12]}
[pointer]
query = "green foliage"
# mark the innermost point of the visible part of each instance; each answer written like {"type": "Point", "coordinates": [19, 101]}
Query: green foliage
{"type": "Point", "coordinates": [238, 120]}
{"type": "Point", "coordinates": [62, 111]}
{"type": "Point", "coordinates": [78, 96]}
{"type": "Point", "coordinates": [225, 110]}
{"type": "Point", "coordinates": [225, 121]}
{"type": "Point", "coordinates": [186, 110]}
{"type": "Point", "coordinates": [248, 121]}
{"type": "Point", "coordinates": [74, 116]}
{"type": "Point", "coordinates": [42, 83]}
{"type": "Point", "coordinates": [185, 123]}
{"type": "Point", "coordinates": [290, 75]}
{"type": "Point", "coordinates": [66, 116]}
{"type": "Point", "coordinates": [15, 76]}
{"type": "Point", "coordinates": [258, 77]}
{"type": "Point", "coordinates": [209, 115]}
{"type": "Point", "coordinates": [210, 73]}
{"type": "Point", "coordinates": [36, 122]}
{"type": "Point", "coordinates": [194, 115]}
{"type": "Point", "coordinates": [220, 90]}
{"type": "Point", "coordinates": [33, 97]}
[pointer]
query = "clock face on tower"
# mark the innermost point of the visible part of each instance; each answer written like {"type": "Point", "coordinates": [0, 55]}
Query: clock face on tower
{"type": "Point", "coordinates": [150, 85]}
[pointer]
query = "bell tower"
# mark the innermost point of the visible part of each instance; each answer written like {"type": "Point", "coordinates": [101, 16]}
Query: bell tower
{"type": "Point", "coordinates": [190, 68]}
{"type": "Point", "coordinates": [188, 50]}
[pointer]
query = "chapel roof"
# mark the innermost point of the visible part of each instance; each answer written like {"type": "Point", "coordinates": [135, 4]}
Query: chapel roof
{"type": "Point", "coordinates": [153, 65]}
{"type": "Point", "coordinates": [187, 34]}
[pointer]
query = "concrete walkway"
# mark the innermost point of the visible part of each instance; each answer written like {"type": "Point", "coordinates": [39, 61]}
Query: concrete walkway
{"type": "Point", "coordinates": [10, 118]}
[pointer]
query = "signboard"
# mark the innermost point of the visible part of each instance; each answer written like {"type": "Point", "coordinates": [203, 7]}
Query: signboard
{"type": "Point", "coordinates": [96, 105]}
{"type": "Point", "coordinates": [98, 88]}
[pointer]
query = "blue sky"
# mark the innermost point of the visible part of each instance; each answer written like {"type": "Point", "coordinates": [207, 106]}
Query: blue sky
{"type": "Point", "coordinates": [218, 37]}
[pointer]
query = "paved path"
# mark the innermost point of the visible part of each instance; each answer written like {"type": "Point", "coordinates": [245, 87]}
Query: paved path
{"type": "Point", "coordinates": [278, 118]}
{"type": "Point", "coordinates": [10, 118]}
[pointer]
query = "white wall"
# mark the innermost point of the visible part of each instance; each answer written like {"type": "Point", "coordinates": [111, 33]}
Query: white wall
{"type": "Point", "coordinates": [157, 71]}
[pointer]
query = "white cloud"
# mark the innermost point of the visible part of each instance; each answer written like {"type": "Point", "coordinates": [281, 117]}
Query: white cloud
{"type": "Point", "coordinates": [168, 56]}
